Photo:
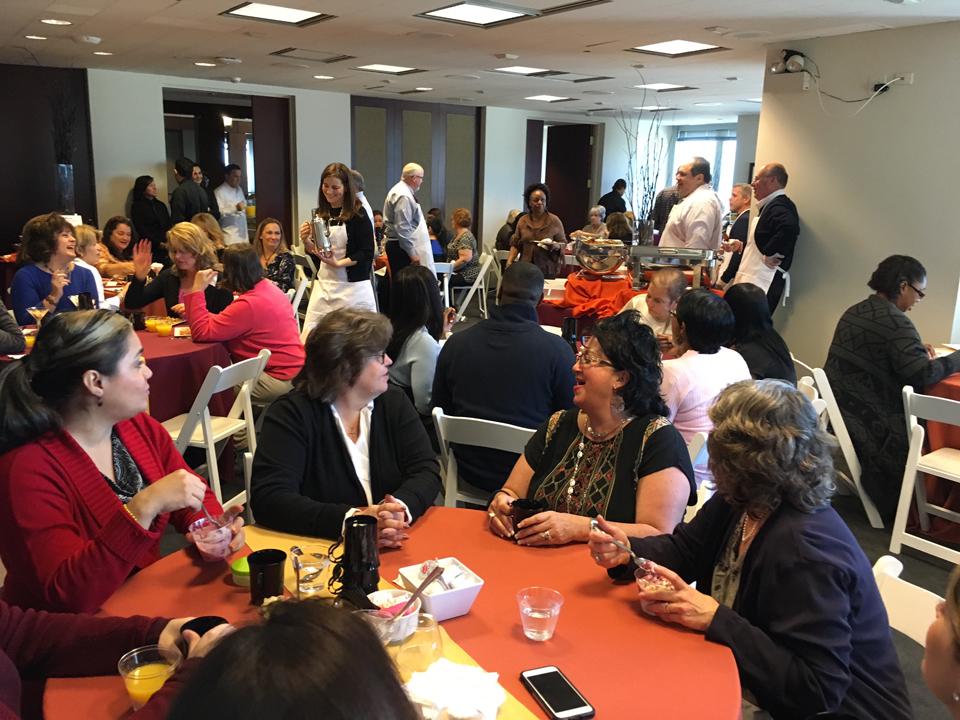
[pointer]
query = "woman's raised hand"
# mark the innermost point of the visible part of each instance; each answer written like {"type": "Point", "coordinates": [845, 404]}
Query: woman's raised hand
{"type": "Point", "coordinates": [142, 259]}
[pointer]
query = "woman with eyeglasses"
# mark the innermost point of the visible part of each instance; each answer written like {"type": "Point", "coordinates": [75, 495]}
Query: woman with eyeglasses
{"type": "Point", "coordinates": [615, 454]}
{"type": "Point", "coordinates": [343, 441]}
{"type": "Point", "coordinates": [876, 350]}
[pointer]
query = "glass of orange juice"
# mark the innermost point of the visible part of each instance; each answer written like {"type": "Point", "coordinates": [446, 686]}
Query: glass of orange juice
{"type": "Point", "coordinates": [165, 327]}
{"type": "Point", "coordinates": [151, 323]}
{"type": "Point", "coordinates": [30, 338]}
{"type": "Point", "coordinates": [145, 670]}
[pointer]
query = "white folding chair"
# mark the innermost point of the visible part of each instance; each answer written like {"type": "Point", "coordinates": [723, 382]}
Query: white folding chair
{"type": "Point", "coordinates": [198, 428]}
{"type": "Point", "coordinates": [943, 463]}
{"type": "Point", "coordinates": [697, 447]}
{"type": "Point", "coordinates": [801, 368]}
{"type": "Point", "coordinates": [481, 284]}
{"type": "Point", "coordinates": [296, 296]}
{"type": "Point", "coordinates": [476, 433]}
{"type": "Point", "coordinates": [839, 430]}
{"type": "Point", "coordinates": [910, 608]}
{"type": "Point", "coordinates": [807, 387]}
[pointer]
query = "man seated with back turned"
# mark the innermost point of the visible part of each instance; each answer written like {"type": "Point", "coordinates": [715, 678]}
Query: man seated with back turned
{"type": "Point", "coordinates": [507, 369]}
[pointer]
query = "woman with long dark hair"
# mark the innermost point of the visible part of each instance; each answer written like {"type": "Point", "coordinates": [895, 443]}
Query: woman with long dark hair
{"type": "Point", "coordinates": [761, 347]}
{"type": "Point", "coordinates": [150, 216]}
{"type": "Point", "coordinates": [116, 247]}
{"type": "Point", "coordinates": [540, 236]}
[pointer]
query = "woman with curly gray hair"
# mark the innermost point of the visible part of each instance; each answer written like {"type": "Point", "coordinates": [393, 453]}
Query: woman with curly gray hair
{"type": "Point", "coordinates": [780, 579]}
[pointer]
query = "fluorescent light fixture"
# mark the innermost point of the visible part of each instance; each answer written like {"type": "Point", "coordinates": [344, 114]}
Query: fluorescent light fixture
{"type": "Point", "coordinates": [424, 89]}
{"type": "Point", "coordinates": [479, 14]}
{"type": "Point", "coordinates": [660, 86]}
{"type": "Point", "coordinates": [323, 77]}
{"type": "Point", "coordinates": [34, 37]}
{"type": "Point", "coordinates": [756, 100]}
{"type": "Point", "coordinates": [227, 121]}
{"type": "Point", "coordinates": [708, 104]}
{"type": "Point", "coordinates": [102, 53]}
{"type": "Point", "coordinates": [651, 107]}
{"type": "Point", "coordinates": [522, 70]}
{"type": "Point", "coordinates": [676, 48]}
{"type": "Point", "coordinates": [54, 21]}
{"type": "Point", "coordinates": [205, 64]}
{"type": "Point", "coordinates": [548, 98]}
{"type": "Point", "coordinates": [276, 14]}
{"type": "Point", "coordinates": [392, 69]}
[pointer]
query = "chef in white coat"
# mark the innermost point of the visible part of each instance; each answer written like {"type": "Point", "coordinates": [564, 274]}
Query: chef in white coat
{"type": "Point", "coordinates": [232, 204]}
{"type": "Point", "coordinates": [344, 275]}
{"type": "Point", "coordinates": [404, 224]}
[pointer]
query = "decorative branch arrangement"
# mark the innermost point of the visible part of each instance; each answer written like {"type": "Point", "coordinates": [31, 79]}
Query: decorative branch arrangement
{"type": "Point", "coordinates": [643, 161]}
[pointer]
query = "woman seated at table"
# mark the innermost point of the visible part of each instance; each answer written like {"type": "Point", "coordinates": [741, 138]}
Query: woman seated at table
{"type": "Point", "coordinates": [339, 671]}
{"type": "Point", "coordinates": [539, 237]}
{"type": "Point", "coordinates": [876, 350]}
{"type": "Point", "coordinates": [618, 228]}
{"type": "Point", "coordinates": [780, 578]}
{"type": "Point", "coordinates": [190, 251]}
{"type": "Point", "coordinates": [276, 259]}
{"type": "Point", "coordinates": [48, 277]}
{"type": "Point", "coordinates": [595, 227]}
{"type": "Point", "coordinates": [941, 653]}
{"type": "Point", "coordinates": [343, 441]}
{"type": "Point", "coordinates": [116, 248]}
{"type": "Point", "coordinates": [462, 251]}
{"type": "Point", "coordinates": [616, 455]}
{"type": "Point", "coordinates": [260, 317]}
{"type": "Point", "coordinates": [89, 481]}
{"type": "Point", "coordinates": [211, 228]}
{"type": "Point", "coordinates": [88, 253]}
{"type": "Point", "coordinates": [151, 218]}
{"type": "Point", "coordinates": [760, 346]}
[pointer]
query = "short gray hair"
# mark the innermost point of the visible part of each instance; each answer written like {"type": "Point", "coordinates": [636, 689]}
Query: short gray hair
{"type": "Point", "coordinates": [746, 189]}
{"type": "Point", "coordinates": [411, 169]}
{"type": "Point", "coordinates": [600, 209]}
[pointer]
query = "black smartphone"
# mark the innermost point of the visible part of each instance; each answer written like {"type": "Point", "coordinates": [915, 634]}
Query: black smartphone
{"type": "Point", "coordinates": [556, 694]}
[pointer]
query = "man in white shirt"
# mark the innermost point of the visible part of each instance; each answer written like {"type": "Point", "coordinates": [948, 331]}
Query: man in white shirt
{"type": "Point", "coordinates": [696, 221]}
{"type": "Point", "coordinates": [233, 206]}
{"type": "Point", "coordinates": [665, 288]}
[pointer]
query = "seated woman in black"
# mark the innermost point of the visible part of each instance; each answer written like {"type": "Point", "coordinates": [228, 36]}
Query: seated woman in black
{"type": "Point", "coordinates": [764, 351]}
{"type": "Point", "coordinates": [343, 441]}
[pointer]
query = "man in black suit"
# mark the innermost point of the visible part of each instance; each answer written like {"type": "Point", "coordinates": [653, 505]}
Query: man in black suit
{"type": "Point", "coordinates": [189, 198]}
{"type": "Point", "coordinates": [740, 199]}
{"type": "Point", "coordinates": [613, 201]}
{"type": "Point", "coordinates": [770, 255]}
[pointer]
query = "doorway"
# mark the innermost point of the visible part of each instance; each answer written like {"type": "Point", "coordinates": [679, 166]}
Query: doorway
{"type": "Point", "coordinates": [562, 156]}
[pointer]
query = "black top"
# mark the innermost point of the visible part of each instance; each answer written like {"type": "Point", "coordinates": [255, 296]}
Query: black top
{"type": "Point", "coordinates": [662, 205]}
{"type": "Point", "coordinates": [768, 358]}
{"type": "Point", "coordinates": [613, 202]}
{"type": "Point", "coordinates": [187, 200]}
{"type": "Point", "coordinates": [808, 628]}
{"type": "Point", "coordinates": [503, 237]}
{"type": "Point", "coordinates": [607, 478]}
{"type": "Point", "coordinates": [281, 271]}
{"type": "Point", "coordinates": [152, 220]}
{"type": "Point", "coordinates": [738, 231]}
{"type": "Point", "coordinates": [506, 369]}
{"type": "Point", "coordinates": [11, 336]}
{"type": "Point", "coordinates": [167, 286]}
{"type": "Point", "coordinates": [304, 481]}
{"type": "Point", "coordinates": [777, 229]}
{"type": "Point", "coordinates": [360, 243]}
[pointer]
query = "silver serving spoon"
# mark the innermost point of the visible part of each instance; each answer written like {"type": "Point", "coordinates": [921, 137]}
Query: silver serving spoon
{"type": "Point", "coordinates": [639, 561]}
{"type": "Point", "coordinates": [434, 574]}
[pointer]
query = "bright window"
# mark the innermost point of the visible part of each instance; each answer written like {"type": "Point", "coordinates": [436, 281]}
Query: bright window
{"type": "Point", "coordinates": [717, 146]}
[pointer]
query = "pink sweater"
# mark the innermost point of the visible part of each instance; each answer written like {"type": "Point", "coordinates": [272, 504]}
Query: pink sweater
{"type": "Point", "coordinates": [260, 318]}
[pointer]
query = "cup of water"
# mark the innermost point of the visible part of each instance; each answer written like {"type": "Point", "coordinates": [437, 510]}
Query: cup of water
{"type": "Point", "coordinates": [539, 612]}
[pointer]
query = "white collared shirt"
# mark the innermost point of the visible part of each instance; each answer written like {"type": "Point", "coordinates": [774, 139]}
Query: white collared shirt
{"type": "Point", "coordinates": [695, 222]}
{"type": "Point", "coordinates": [233, 221]}
{"type": "Point", "coordinates": [359, 451]}
{"type": "Point", "coordinates": [775, 194]}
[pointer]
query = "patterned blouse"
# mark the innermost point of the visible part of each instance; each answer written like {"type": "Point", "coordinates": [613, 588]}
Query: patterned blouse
{"type": "Point", "coordinates": [466, 241]}
{"type": "Point", "coordinates": [281, 271]}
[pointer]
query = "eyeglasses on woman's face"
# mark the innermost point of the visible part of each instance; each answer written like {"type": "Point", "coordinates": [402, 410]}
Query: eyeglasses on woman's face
{"type": "Point", "coordinates": [380, 357]}
{"type": "Point", "coordinates": [588, 358]}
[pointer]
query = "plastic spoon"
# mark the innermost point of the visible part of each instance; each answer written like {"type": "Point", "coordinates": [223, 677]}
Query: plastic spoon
{"type": "Point", "coordinates": [434, 574]}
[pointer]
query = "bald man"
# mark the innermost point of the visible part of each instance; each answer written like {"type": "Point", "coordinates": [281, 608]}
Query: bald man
{"type": "Point", "coordinates": [403, 223]}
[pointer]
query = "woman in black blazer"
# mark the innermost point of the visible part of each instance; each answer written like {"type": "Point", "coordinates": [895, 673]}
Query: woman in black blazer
{"type": "Point", "coordinates": [343, 441]}
{"type": "Point", "coordinates": [150, 216]}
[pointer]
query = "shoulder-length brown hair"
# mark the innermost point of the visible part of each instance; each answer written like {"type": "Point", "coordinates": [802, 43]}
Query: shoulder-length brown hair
{"type": "Point", "coordinates": [350, 200]}
{"type": "Point", "coordinates": [38, 239]}
{"type": "Point", "coordinates": [241, 268]}
{"type": "Point", "coordinates": [187, 236]}
{"type": "Point", "coordinates": [337, 350]}
{"type": "Point", "coordinates": [258, 240]}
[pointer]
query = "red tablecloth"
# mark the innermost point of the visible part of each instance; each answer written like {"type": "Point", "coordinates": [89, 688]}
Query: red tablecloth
{"type": "Point", "coordinates": [179, 367]}
{"type": "Point", "coordinates": [625, 663]}
{"type": "Point", "coordinates": [943, 492]}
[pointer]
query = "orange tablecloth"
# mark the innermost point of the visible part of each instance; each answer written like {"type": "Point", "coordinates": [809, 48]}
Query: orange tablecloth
{"type": "Point", "coordinates": [626, 664]}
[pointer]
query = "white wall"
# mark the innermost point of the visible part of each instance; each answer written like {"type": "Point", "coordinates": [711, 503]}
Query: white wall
{"type": "Point", "coordinates": [867, 187]}
{"type": "Point", "coordinates": [126, 119]}
{"type": "Point", "coordinates": [747, 127]}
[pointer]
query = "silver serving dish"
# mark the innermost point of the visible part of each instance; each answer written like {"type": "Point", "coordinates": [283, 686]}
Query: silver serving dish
{"type": "Point", "coordinates": [601, 257]}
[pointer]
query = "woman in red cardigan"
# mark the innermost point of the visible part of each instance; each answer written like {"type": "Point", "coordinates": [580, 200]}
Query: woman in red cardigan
{"type": "Point", "coordinates": [88, 481]}
{"type": "Point", "coordinates": [261, 317]}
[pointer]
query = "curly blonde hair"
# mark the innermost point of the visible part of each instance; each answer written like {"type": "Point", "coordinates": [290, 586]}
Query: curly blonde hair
{"type": "Point", "coordinates": [208, 223]}
{"type": "Point", "coordinates": [766, 449]}
{"type": "Point", "coordinates": [187, 236]}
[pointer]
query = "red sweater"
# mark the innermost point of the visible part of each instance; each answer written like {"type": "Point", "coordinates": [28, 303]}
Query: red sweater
{"type": "Point", "coordinates": [260, 318]}
{"type": "Point", "coordinates": [65, 539]}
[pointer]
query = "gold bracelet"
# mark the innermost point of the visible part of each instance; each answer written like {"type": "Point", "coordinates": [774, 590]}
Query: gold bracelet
{"type": "Point", "coordinates": [130, 513]}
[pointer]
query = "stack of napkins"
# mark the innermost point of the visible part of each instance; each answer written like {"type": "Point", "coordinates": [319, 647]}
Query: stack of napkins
{"type": "Point", "coordinates": [463, 692]}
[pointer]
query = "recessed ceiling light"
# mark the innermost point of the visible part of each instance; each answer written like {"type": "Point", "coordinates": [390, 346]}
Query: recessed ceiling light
{"type": "Point", "coordinates": [548, 98]}
{"type": "Point", "coordinates": [103, 53]}
{"type": "Point", "coordinates": [651, 107]}
{"type": "Point", "coordinates": [661, 86]}
{"type": "Point", "coordinates": [323, 77]}
{"type": "Point", "coordinates": [392, 69]}
{"type": "Point", "coordinates": [424, 89]}
{"type": "Point", "coordinates": [205, 64]}
{"type": "Point", "coordinates": [756, 100]}
{"type": "Point", "coordinates": [522, 70]}
{"type": "Point", "coordinates": [676, 48]}
{"type": "Point", "coordinates": [478, 14]}
{"type": "Point", "coordinates": [34, 37]}
{"type": "Point", "coordinates": [54, 21]}
{"type": "Point", "coordinates": [708, 104]}
{"type": "Point", "coordinates": [276, 14]}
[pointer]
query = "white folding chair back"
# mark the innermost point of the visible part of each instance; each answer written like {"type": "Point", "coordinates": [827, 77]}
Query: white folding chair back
{"type": "Point", "coordinates": [198, 428]}
{"type": "Point", "coordinates": [846, 446]}
{"type": "Point", "coordinates": [296, 296]}
{"type": "Point", "coordinates": [477, 433]}
{"type": "Point", "coordinates": [801, 368]}
{"type": "Point", "coordinates": [808, 388]}
{"type": "Point", "coordinates": [910, 608]}
{"type": "Point", "coordinates": [697, 447]}
{"type": "Point", "coordinates": [480, 283]}
{"type": "Point", "coordinates": [943, 463]}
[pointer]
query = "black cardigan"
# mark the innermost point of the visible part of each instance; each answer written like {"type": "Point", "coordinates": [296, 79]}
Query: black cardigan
{"type": "Point", "coordinates": [152, 220]}
{"type": "Point", "coordinates": [304, 481]}
{"type": "Point", "coordinates": [360, 244]}
{"type": "Point", "coordinates": [167, 286]}
{"type": "Point", "coordinates": [808, 628]}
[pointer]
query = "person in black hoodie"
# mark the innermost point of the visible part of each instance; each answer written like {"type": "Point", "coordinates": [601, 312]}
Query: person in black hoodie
{"type": "Point", "coordinates": [754, 337]}
{"type": "Point", "coordinates": [150, 216]}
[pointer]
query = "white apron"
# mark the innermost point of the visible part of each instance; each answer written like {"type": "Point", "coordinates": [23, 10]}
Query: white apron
{"type": "Point", "coordinates": [752, 268]}
{"type": "Point", "coordinates": [421, 242]}
{"type": "Point", "coordinates": [331, 289]}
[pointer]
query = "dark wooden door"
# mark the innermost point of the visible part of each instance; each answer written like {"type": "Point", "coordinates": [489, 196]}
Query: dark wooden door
{"type": "Point", "coordinates": [271, 160]}
{"type": "Point", "coordinates": [569, 155]}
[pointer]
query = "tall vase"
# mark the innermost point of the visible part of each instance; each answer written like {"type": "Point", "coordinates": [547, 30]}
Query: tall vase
{"type": "Point", "coordinates": [64, 185]}
{"type": "Point", "coordinates": [645, 232]}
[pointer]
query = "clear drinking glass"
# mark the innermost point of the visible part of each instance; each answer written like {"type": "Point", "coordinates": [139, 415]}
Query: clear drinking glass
{"type": "Point", "coordinates": [145, 670]}
{"type": "Point", "coordinates": [423, 648]}
{"type": "Point", "coordinates": [539, 612]}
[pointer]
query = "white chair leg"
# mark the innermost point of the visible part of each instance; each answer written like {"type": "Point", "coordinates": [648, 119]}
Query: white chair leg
{"type": "Point", "coordinates": [247, 478]}
{"type": "Point", "coordinates": [213, 471]}
{"type": "Point", "coordinates": [903, 507]}
{"type": "Point", "coordinates": [920, 492]}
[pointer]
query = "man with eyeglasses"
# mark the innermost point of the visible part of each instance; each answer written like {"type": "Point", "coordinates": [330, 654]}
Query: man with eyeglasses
{"type": "Point", "coordinates": [404, 226]}
{"type": "Point", "coordinates": [772, 237]}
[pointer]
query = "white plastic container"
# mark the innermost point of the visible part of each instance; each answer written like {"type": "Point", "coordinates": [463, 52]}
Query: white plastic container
{"type": "Point", "coordinates": [403, 627]}
{"type": "Point", "coordinates": [445, 604]}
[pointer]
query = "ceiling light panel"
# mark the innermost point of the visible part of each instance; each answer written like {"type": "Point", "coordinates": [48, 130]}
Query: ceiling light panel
{"type": "Point", "coordinates": [677, 48]}
{"type": "Point", "coordinates": [522, 70]}
{"type": "Point", "coordinates": [548, 98]}
{"type": "Point", "coordinates": [276, 14]}
{"type": "Point", "coordinates": [391, 69]}
{"type": "Point", "coordinates": [662, 87]}
{"type": "Point", "coordinates": [479, 14]}
{"type": "Point", "coordinates": [35, 37]}
{"type": "Point", "coordinates": [55, 21]}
